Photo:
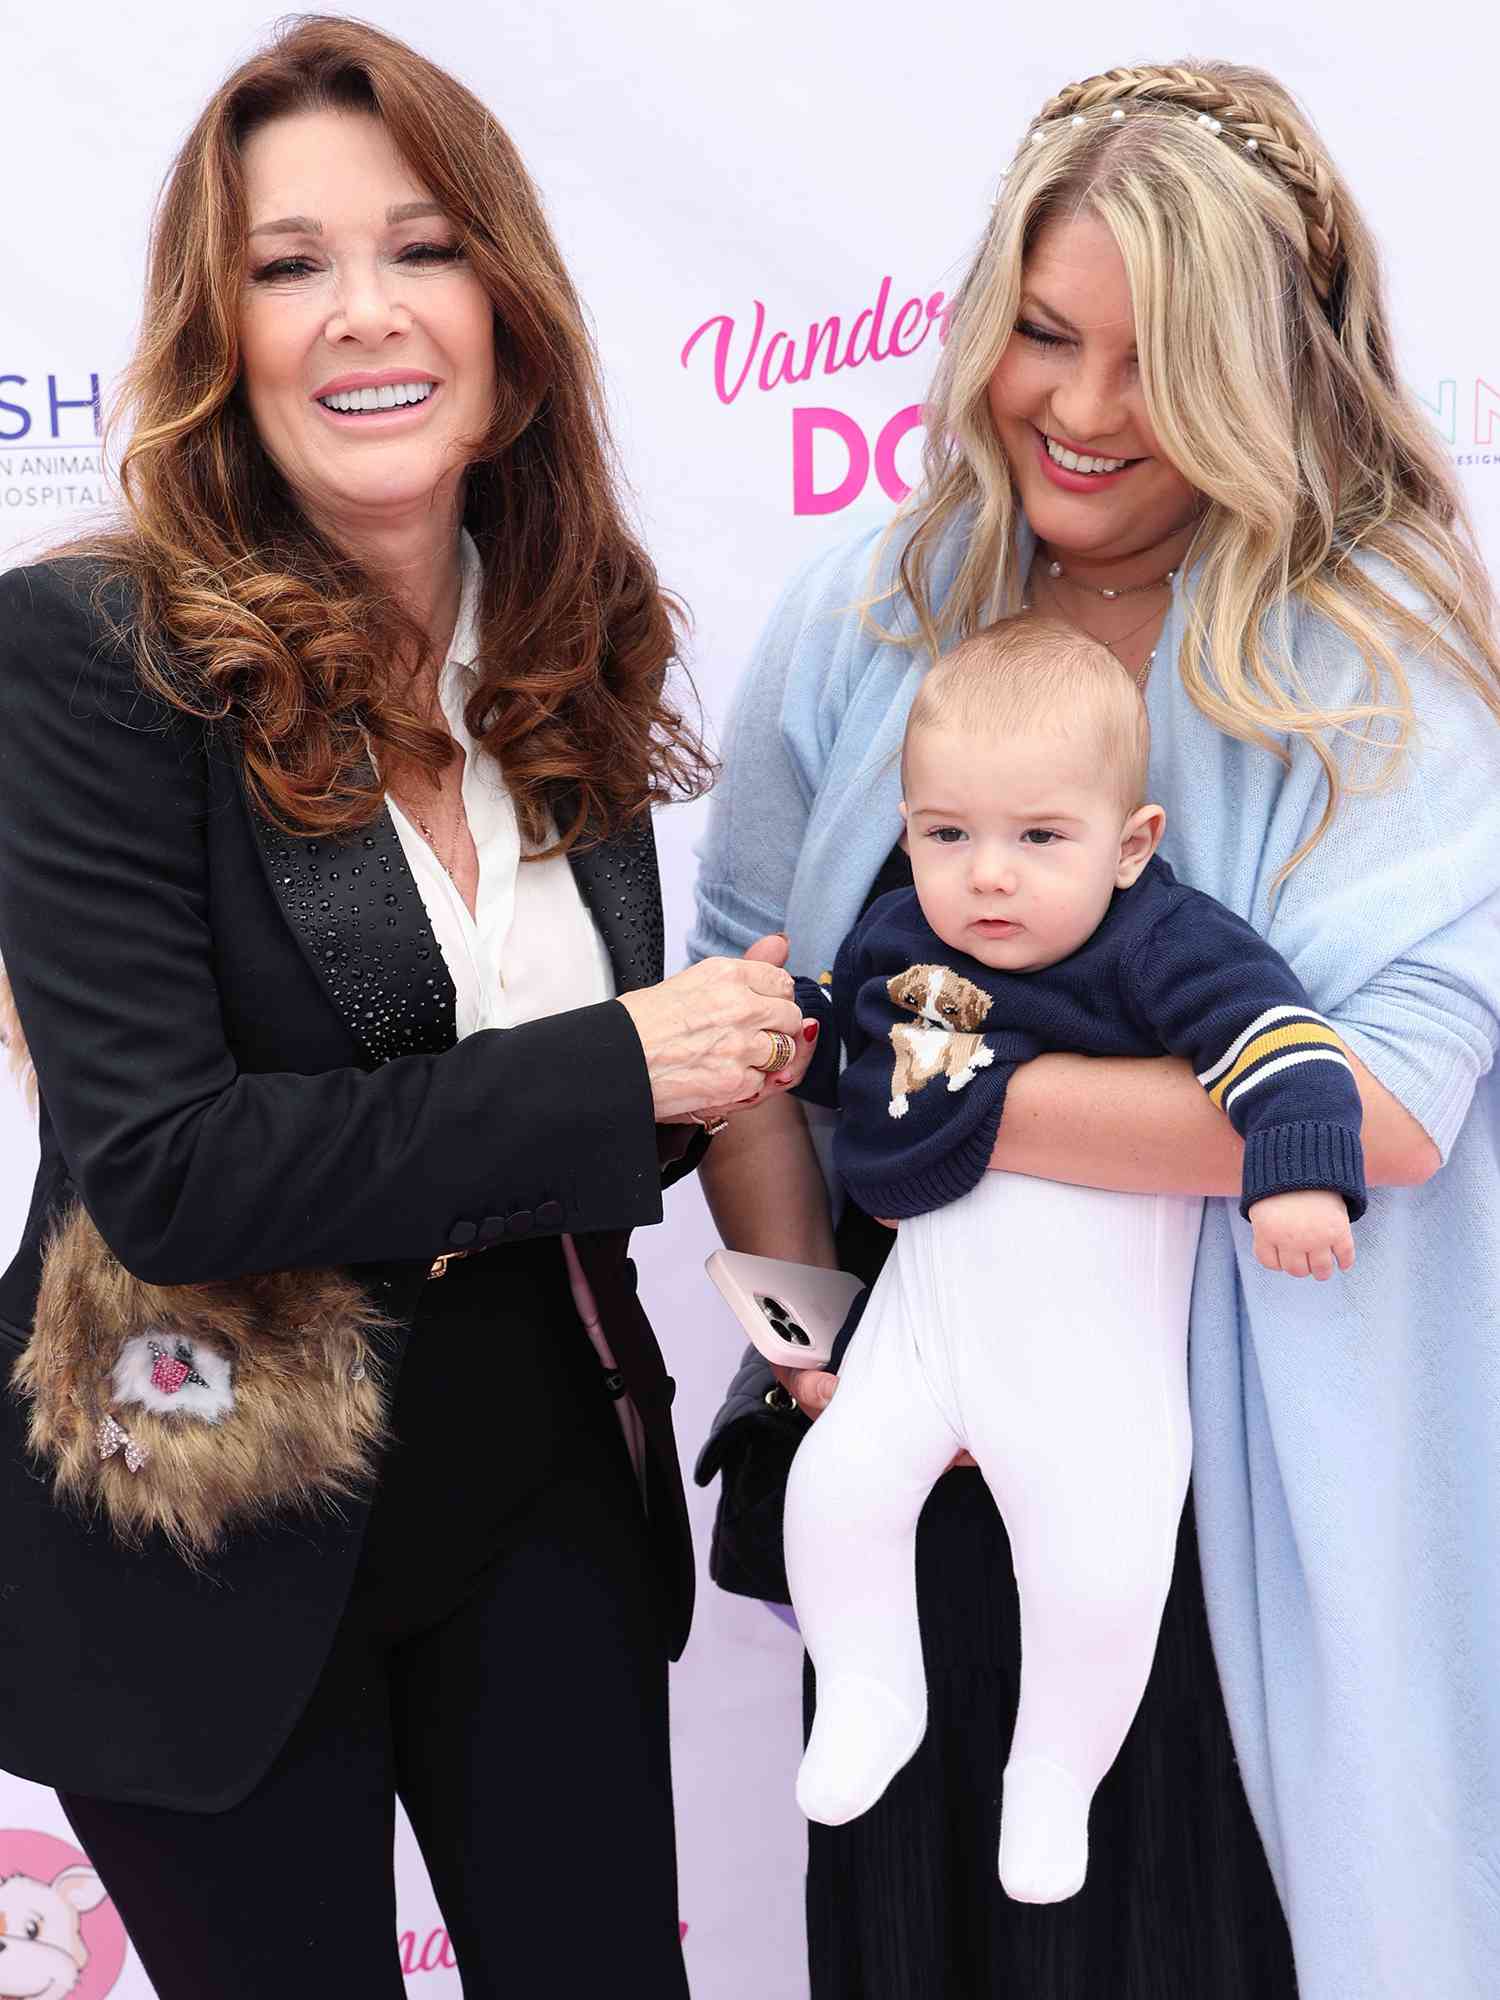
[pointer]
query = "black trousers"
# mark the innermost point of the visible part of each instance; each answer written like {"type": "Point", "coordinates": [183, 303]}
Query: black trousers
{"type": "Point", "coordinates": [500, 1668]}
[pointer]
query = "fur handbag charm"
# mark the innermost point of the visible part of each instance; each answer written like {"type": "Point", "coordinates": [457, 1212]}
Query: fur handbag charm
{"type": "Point", "coordinates": [191, 1410]}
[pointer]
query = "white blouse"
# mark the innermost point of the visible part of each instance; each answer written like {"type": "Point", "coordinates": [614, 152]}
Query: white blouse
{"type": "Point", "coordinates": [531, 948]}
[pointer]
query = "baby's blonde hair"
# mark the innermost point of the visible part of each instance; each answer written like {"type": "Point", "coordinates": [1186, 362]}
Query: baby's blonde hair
{"type": "Point", "coordinates": [1269, 377]}
{"type": "Point", "coordinates": [1025, 675]}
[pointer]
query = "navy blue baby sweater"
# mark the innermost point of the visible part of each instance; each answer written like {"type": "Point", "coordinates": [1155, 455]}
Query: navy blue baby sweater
{"type": "Point", "coordinates": [932, 1038]}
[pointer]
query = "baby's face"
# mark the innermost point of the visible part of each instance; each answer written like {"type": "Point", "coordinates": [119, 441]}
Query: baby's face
{"type": "Point", "coordinates": [1016, 845]}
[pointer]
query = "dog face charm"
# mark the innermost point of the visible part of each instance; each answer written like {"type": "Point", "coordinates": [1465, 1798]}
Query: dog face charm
{"type": "Point", "coordinates": [950, 1045]}
{"type": "Point", "coordinates": [173, 1375]}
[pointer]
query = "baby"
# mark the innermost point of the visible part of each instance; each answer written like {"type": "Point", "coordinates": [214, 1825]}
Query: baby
{"type": "Point", "coordinates": [1043, 1328]}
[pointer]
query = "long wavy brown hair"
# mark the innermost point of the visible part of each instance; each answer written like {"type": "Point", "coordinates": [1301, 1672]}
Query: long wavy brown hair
{"type": "Point", "coordinates": [247, 613]}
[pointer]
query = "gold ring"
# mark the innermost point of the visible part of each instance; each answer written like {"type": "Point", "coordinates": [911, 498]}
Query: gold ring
{"type": "Point", "coordinates": [781, 1054]}
{"type": "Point", "coordinates": [712, 1126]}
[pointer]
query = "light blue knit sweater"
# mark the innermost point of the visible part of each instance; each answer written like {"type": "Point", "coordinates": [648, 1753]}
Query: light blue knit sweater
{"type": "Point", "coordinates": [1347, 1435]}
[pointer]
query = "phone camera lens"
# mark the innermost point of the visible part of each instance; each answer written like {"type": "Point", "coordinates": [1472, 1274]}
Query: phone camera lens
{"type": "Point", "coordinates": [782, 1321]}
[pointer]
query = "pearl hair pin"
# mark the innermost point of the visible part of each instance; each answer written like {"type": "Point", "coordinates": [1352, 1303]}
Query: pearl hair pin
{"type": "Point", "coordinates": [1117, 115]}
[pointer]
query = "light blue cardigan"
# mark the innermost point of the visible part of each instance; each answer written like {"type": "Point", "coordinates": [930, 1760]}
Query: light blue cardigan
{"type": "Point", "coordinates": [1347, 1470]}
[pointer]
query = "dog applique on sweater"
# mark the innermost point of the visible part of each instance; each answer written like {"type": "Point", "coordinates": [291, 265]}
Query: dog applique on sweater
{"type": "Point", "coordinates": [950, 1045]}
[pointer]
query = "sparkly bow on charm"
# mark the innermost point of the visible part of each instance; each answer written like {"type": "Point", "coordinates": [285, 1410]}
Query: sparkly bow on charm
{"type": "Point", "coordinates": [111, 1437]}
{"type": "Point", "coordinates": [170, 1372]}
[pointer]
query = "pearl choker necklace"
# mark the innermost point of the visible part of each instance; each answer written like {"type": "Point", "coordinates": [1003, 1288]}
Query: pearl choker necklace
{"type": "Point", "coordinates": [1056, 570]}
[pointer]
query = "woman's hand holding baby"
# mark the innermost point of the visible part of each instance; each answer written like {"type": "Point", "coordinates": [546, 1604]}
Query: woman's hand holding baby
{"type": "Point", "coordinates": [706, 1031]}
{"type": "Point", "coordinates": [1303, 1234]}
{"type": "Point", "coordinates": [784, 1079]}
{"type": "Point", "coordinates": [771, 950]}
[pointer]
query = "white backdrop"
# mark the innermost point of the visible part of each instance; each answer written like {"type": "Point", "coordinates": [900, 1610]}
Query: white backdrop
{"type": "Point", "coordinates": [733, 172]}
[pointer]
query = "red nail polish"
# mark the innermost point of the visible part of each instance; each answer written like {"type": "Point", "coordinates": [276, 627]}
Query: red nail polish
{"type": "Point", "coordinates": [809, 1031]}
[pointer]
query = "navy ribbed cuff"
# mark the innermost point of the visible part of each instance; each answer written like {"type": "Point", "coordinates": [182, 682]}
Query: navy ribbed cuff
{"type": "Point", "coordinates": [1286, 1159]}
{"type": "Point", "coordinates": [821, 1083]}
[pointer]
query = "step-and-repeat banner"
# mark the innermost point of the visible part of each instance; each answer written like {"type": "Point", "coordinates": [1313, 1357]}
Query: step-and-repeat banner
{"type": "Point", "coordinates": [765, 208]}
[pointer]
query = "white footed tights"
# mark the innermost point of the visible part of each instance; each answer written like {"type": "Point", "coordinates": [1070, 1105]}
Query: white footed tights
{"type": "Point", "coordinates": [1043, 1327]}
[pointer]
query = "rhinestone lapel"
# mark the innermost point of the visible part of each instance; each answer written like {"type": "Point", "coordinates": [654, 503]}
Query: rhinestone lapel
{"type": "Point", "coordinates": [358, 915]}
{"type": "Point", "coordinates": [620, 883]}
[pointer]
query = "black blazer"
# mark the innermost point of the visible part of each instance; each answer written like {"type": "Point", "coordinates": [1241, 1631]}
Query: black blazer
{"type": "Point", "coordinates": [245, 1050]}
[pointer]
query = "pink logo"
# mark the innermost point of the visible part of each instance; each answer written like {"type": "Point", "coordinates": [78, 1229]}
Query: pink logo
{"type": "Point", "coordinates": [827, 348]}
{"type": "Point", "coordinates": [60, 1937]}
{"type": "Point", "coordinates": [832, 456]}
{"type": "Point", "coordinates": [808, 497]}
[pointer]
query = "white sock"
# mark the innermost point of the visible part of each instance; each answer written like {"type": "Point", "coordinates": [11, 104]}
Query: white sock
{"type": "Point", "coordinates": [862, 1734]}
{"type": "Point", "coordinates": [1044, 1833]}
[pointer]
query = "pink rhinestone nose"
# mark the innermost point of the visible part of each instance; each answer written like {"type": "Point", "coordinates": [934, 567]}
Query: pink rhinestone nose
{"type": "Point", "coordinates": [168, 1374]}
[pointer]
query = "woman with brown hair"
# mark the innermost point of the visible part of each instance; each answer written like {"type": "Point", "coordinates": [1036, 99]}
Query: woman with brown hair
{"type": "Point", "coordinates": [328, 895]}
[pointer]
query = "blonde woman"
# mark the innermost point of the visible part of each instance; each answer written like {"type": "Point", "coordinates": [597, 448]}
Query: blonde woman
{"type": "Point", "coordinates": [1167, 413]}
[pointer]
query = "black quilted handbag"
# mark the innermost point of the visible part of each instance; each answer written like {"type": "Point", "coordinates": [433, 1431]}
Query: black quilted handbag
{"type": "Point", "coordinates": [751, 1450]}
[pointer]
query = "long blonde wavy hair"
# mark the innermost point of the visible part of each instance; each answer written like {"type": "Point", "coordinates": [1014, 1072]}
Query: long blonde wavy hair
{"type": "Point", "coordinates": [1267, 373]}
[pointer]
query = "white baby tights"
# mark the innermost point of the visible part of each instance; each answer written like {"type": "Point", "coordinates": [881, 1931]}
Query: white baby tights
{"type": "Point", "coordinates": [1043, 1327]}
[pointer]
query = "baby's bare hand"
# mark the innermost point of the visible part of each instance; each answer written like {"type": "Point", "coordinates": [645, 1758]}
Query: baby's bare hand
{"type": "Point", "coordinates": [1303, 1234]}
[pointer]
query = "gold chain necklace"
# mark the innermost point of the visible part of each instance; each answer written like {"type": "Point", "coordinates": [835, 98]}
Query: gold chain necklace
{"type": "Point", "coordinates": [1137, 674]}
{"type": "Point", "coordinates": [431, 838]}
{"type": "Point", "coordinates": [439, 721]}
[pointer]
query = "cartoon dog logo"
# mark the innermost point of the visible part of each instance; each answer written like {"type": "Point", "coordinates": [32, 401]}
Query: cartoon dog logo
{"type": "Point", "coordinates": [42, 1952]}
{"type": "Point", "coordinates": [950, 1045]}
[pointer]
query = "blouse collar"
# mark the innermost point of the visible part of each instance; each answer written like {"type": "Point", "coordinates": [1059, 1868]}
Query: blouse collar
{"type": "Point", "coordinates": [463, 647]}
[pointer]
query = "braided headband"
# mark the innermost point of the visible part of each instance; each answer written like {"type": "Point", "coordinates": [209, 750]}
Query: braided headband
{"type": "Point", "coordinates": [1216, 109]}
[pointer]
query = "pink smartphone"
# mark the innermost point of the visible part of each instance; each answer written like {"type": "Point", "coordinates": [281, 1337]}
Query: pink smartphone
{"type": "Point", "coordinates": [792, 1312]}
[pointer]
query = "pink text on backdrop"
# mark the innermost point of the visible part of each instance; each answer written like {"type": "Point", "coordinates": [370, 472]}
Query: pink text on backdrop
{"type": "Point", "coordinates": [433, 1954]}
{"type": "Point", "coordinates": [808, 497]}
{"type": "Point", "coordinates": [827, 347]}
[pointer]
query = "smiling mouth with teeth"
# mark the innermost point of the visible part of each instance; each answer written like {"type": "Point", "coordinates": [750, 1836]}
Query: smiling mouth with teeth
{"type": "Point", "coordinates": [393, 396]}
{"type": "Point", "coordinates": [1072, 461]}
